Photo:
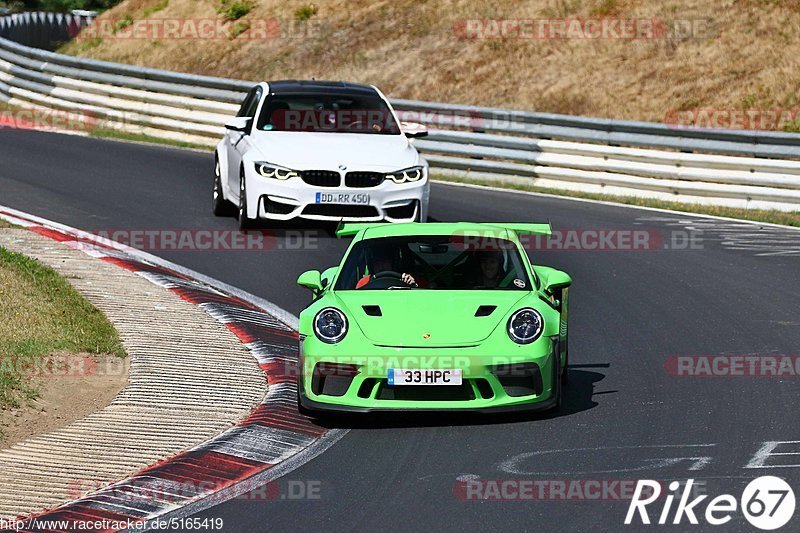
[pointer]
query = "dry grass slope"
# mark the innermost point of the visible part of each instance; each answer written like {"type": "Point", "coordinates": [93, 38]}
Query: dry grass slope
{"type": "Point", "coordinates": [42, 314]}
{"type": "Point", "coordinates": [409, 48]}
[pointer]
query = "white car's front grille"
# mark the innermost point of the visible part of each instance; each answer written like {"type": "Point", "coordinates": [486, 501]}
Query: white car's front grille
{"type": "Point", "coordinates": [321, 178]}
{"type": "Point", "coordinates": [363, 179]}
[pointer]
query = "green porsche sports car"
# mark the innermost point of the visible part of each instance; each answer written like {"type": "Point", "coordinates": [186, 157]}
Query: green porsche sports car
{"type": "Point", "coordinates": [435, 316]}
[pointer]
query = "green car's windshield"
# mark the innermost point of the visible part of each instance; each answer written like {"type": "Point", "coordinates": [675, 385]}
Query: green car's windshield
{"type": "Point", "coordinates": [443, 262]}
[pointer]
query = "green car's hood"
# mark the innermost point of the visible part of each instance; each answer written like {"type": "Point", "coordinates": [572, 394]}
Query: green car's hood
{"type": "Point", "coordinates": [448, 317]}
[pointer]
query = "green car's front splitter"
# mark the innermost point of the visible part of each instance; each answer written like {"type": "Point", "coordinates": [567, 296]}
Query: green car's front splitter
{"type": "Point", "coordinates": [367, 391]}
{"type": "Point", "coordinates": [311, 407]}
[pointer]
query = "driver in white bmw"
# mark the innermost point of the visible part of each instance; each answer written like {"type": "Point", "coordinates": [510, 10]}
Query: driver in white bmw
{"type": "Point", "coordinates": [322, 151]}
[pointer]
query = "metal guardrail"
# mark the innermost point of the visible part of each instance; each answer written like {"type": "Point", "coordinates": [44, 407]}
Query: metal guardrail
{"type": "Point", "coordinates": [615, 132]}
{"type": "Point", "coordinates": [727, 167]}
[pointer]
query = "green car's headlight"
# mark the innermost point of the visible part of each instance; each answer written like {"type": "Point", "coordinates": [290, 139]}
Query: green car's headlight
{"type": "Point", "coordinates": [407, 175]}
{"type": "Point", "coordinates": [525, 326]}
{"type": "Point", "coordinates": [330, 325]}
{"type": "Point", "coordinates": [268, 170]}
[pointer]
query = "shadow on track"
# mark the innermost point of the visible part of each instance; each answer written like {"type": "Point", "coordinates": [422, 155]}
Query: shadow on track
{"type": "Point", "coordinates": [278, 228]}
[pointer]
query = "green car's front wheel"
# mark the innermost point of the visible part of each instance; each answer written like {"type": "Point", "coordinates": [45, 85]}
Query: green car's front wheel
{"type": "Point", "coordinates": [303, 410]}
{"type": "Point", "coordinates": [565, 372]}
{"type": "Point", "coordinates": [558, 381]}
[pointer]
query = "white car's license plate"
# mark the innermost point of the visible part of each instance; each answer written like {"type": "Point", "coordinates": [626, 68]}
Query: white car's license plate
{"type": "Point", "coordinates": [342, 198]}
{"type": "Point", "coordinates": [406, 376]}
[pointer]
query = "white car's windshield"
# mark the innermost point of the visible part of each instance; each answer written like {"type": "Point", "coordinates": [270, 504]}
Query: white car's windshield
{"type": "Point", "coordinates": [445, 262]}
{"type": "Point", "coordinates": [327, 112]}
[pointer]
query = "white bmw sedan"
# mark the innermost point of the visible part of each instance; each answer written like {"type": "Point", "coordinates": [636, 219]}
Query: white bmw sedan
{"type": "Point", "coordinates": [323, 151]}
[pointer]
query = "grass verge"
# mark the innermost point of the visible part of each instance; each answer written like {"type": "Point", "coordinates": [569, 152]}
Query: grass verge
{"type": "Point", "coordinates": [42, 314]}
{"type": "Point", "coordinates": [103, 133]}
{"type": "Point", "coordinates": [758, 215]}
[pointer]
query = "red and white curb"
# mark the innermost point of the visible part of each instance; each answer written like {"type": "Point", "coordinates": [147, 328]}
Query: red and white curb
{"type": "Point", "coordinates": [274, 440]}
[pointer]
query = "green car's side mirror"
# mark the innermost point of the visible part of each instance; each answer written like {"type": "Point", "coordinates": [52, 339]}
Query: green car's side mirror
{"type": "Point", "coordinates": [311, 279]}
{"type": "Point", "coordinates": [553, 280]}
{"type": "Point", "coordinates": [328, 275]}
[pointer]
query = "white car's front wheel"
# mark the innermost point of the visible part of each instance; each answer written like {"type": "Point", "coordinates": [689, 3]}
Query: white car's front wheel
{"type": "Point", "coordinates": [220, 205]}
{"type": "Point", "coordinates": [244, 222]}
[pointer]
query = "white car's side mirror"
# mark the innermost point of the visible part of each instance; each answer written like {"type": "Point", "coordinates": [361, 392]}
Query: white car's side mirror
{"type": "Point", "coordinates": [241, 124]}
{"type": "Point", "coordinates": [414, 130]}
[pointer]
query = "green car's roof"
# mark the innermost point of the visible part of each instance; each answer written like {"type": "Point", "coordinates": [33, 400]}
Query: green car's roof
{"type": "Point", "coordinates": [367, 230]}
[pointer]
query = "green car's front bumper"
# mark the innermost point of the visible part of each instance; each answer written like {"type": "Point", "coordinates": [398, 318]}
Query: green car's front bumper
{"type": "Point", "coordinates": [526, 379]}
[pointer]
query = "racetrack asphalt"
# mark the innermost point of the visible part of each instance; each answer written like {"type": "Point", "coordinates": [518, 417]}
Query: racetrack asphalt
{"type": "Point", "coordinates": [734, 291]}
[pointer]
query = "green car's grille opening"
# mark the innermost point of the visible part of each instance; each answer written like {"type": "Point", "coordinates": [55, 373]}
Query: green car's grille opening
{"type": "Point", "coordinates": [425, 393]}
{"type": "Point", "coordinates": [332, 379]}
{"type": "Point", "coordinates": [379, 389]}
{"type": "Point", "coordinates": [516, 380]}
{"type": "Point", "coordinates": [366, 388]}
{"type": "Point", "coordinates": [524, 379]}
{"type": "Point", "coordinates": [484, 389]}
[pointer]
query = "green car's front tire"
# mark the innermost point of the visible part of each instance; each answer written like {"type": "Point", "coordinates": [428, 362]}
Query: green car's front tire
{"type": "Point", "coordinates": [303, 410]}
{"type": "Point", "coordinates": [558, 386]}
{"type": "Point", "coordinates": [321, 417]}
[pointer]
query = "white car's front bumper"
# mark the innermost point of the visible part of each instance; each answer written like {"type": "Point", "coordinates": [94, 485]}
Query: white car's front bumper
{"type": "Point", "coordinates": [294, 198]}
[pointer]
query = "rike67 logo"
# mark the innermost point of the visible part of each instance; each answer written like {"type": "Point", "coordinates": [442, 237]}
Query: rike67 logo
{"type": "Point", "coordinates": [767, 502]}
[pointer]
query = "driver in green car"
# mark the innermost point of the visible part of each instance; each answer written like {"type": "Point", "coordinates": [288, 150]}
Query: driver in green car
{"type": "Point", "coordinates": [385, 259]}
{"type": "Point", "coordinates": [491, 271]}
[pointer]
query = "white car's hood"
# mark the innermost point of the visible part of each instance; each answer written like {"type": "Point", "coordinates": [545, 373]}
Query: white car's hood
{"type": "Point", "coordinates": [300, 150]}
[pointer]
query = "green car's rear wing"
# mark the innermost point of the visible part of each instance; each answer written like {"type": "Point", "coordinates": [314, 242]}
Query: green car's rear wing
{"type": "Point", "coordinates": [348, 229]}
{"type": "Point", "coordinates": [522, 227]}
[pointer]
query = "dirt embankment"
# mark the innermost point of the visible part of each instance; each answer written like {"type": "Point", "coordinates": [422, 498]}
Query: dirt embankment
{"type": "Point", "coordinates": [687, 54]}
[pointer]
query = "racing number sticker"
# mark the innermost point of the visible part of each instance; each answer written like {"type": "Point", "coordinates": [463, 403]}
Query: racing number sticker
{"type": "Point", "coordinates": [768, 502]}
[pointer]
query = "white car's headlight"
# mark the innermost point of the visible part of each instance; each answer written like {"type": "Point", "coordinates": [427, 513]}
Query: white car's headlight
{"type": "Point", "coordinates": [330, 325]}
{"type": "Point", "coordinates": [407, 175]}
{"type": "Point", "coordinates": [525, 326]}
{"type": "Point", "coordinates": [268, 170]}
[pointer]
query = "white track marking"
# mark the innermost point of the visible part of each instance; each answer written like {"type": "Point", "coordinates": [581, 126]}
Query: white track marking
{"type": "Point", "coordinates": [766, 451]}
